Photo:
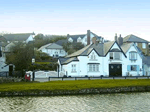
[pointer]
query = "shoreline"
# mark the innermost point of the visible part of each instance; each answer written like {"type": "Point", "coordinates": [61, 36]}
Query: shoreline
{"type": "Point", "coordinates": [76, 92]}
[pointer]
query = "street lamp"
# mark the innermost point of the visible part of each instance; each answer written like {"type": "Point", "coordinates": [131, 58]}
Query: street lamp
{"type": "Point", "coordinates": [33, 74]}
{"type": "Point", "coordinates": [33, 61]}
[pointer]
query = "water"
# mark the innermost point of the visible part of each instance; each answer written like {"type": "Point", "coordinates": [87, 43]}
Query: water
{"type": "Point", "coordinates": [131, 102]}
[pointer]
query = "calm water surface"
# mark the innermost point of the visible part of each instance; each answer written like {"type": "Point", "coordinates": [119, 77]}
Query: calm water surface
{"type": "Point", "coordinates": [131, 102]}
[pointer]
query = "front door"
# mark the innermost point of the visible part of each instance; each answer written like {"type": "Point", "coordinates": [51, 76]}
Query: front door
{"type": "Point", "coordinates": [115, 70]}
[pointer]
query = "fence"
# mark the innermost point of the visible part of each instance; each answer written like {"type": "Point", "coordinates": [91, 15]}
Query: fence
{"type": "Point", "coordinates": [4, 74]}
{"type": "Point", "coordinates": [90, 78]}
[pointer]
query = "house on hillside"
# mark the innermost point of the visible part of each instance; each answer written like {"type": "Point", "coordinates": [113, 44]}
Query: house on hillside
{"type": "Point", "coordinates": [141, 43]}
{"type": "Point", "coordinates": [3, 65]}
{"type": "Point", "coordinates": [19, 37]}
{"type": "Point", "coordinates": [61, 42]}
{"type": "Point", "coordinates": [83, 38]}
{"type": "Point", "coordinates": [113, 58]}
{"type": "Point", "coordinates": [53, 50]}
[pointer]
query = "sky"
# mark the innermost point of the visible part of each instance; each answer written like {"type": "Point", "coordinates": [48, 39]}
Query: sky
{"type": "Point", "coordinates": [62, 17]}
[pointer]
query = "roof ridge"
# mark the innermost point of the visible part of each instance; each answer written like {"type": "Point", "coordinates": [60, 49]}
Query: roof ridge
{"type": "Point", "coordinates": [77, 34]}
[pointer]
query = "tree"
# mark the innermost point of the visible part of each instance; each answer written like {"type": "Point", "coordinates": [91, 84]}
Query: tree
{"type": "Point", "coordinates": [39, 36]}
{"type": "Point", "coordinates": [72, 47]}
{"type": "Point", "coordinates": [21, 56]}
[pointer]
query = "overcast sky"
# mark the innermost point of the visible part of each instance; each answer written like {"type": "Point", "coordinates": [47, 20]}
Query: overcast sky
{"type": "Point", "coordinates": [62, 17]}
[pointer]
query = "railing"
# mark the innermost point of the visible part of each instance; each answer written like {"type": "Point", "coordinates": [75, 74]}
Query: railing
{"type": "Point", "coordinates": [4, 74]}
{"type": "Point", "coordinates": [90, 78]}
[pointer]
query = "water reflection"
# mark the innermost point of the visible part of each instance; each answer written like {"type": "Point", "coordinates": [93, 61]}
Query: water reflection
{"type": "Point", "coordinates": [131, 102]}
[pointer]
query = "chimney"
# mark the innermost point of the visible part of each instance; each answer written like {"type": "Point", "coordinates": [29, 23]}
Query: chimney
{"type": "Point", "coordinates": [115, 37]}
{"type": "Point", "coordinates": [94, 40]}
{"type": "Point", "coordinates": [88, 37]}
{"type": "Point", "coordinates": [120, 40]}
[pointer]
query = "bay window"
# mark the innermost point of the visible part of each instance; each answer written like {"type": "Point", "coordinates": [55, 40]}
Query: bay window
{"type": "Point", "coordinates": [133, 55]}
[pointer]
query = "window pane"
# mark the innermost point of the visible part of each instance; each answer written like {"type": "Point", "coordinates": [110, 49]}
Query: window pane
{"type": "Point", "coordinates": [111, 55]}
{"type": "Point", "coordinates": [97, 67]}
{"type": "Point", "coordinates": [133, 67]}
{"type": "Point", "coordinates": [93, 67]}
{"type": "Point", "coordinates": [117, 55]}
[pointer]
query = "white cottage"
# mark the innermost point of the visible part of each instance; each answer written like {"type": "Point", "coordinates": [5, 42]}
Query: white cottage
{"type": "Point", "coordinates": [53, 49]}
{"type": "Point", "coordinates": [84, 38]}
{"type": "Point", "coordinates": [107, 59]}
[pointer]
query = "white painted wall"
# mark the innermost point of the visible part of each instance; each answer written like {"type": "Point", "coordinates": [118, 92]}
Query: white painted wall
{"type": "Point", "coordinates": [52, 52]}
{"type": "Point", "coordinates": [129, 62]}
{"type": "Point", "coordinates": [84, 40]}
{"type": "Point", "coordinates": [30, 38]}
{"type": "Point", "coordinates": [70, 39]}
{"type": "Point", "coordinates": [82, 64]}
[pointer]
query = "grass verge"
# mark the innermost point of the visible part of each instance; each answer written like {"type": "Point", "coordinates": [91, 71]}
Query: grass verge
{"type": "Point", "coordinates": [71, 85]}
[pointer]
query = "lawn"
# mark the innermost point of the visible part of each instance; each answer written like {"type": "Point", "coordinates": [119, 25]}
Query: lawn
{"type": "Point", "coordinates": [71, 85]}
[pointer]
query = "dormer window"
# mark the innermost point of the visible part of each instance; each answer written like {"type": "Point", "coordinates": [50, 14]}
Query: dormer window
{"type": "Point", "coordinates": [115, 56]}
{"type": "Point", "coordinates": [93, 57]}
{"type": "Point", "coordinates": [133, 55]}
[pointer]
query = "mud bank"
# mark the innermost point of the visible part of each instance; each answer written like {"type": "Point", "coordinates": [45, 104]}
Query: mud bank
{"type": "Point", "coordinates": [77, 92]}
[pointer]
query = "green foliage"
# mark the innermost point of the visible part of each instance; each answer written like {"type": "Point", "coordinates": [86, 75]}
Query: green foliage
{"type": "Point", "coordinates": [72, 47]}
{"type": "Point", "coordinates": [41, 40]}
{"type": "Point", "coordinates": [21, 56]}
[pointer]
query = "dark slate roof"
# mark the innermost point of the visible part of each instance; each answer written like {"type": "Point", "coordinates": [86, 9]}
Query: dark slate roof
{"type": "Point", "coordinates": [61, 42]}
{"type": "Point", "coordinates": [2, 38]}
{"type": "Point", "coordinates": [75, 37]}
{"type": "Point", "coordinates": [133, 38]}
{"type": "Point", "coordinates": [100, 48]}
{"type": "Point", "coordinates": [146, 60]}
{"type": "Point", "coordinates": [17, 37]}
{"type": "Point", "coordinates": [64, 61]}
{"type": "Point", "coordinates": [98, 37]}
{"type": "Point", "coordinates": [61, 59]}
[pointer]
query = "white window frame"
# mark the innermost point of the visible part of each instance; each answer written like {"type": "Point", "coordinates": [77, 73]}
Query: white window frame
{"type": "Point", "coordinates": [73, 68]}
{"type": "Point", "coordinates": [114, 57]}
{"type": "Point", "coordinates": [93, 67]}
{"type": "Point", "coordinates": [133, 55]}
{"type": "Point", "coordinates": [144, 45]}
{"type": "Point", "coordinates": [93, 56]}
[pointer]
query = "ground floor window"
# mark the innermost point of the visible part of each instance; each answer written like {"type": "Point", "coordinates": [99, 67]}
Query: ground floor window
{"type": "Point", "coordinates": [93, 67]}
{"type": "Point", "coordinates": [73, 67]}
{"type": "Point", "coordinates": [133, 68]}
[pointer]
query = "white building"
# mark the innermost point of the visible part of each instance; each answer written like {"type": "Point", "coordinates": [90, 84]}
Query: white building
{"type": "Point", "coordinates": [3, 65]}
{"type": "Point", "coordinates": [19, 37]}
{"type": "Point", "coordinates": [107, 59]}
{"type": "Point", "coordinates": [83, 38]}
{"type": "Point", "coordinates": [53, 50]}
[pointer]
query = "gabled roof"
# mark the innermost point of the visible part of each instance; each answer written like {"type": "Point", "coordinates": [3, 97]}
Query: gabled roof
{"type": "Point", "coordinates": [133, 38]}
{"type": "Point", "coordinates": [100, 48]}
{"type": "Point", "coordinates": [51, 46]}
{"type": "Point", "coordinates": [61, 42]}
{"type": "Point", "coordinates": [107, 46]}
{"type": "Point", "coordinates": [75, 37]}
{"type": "Point", "coordinates": [125, 47]}
{"type": "Point", "coordinates": [17, 36]}
{"type": "Point", "coordinates": [64, 61]}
